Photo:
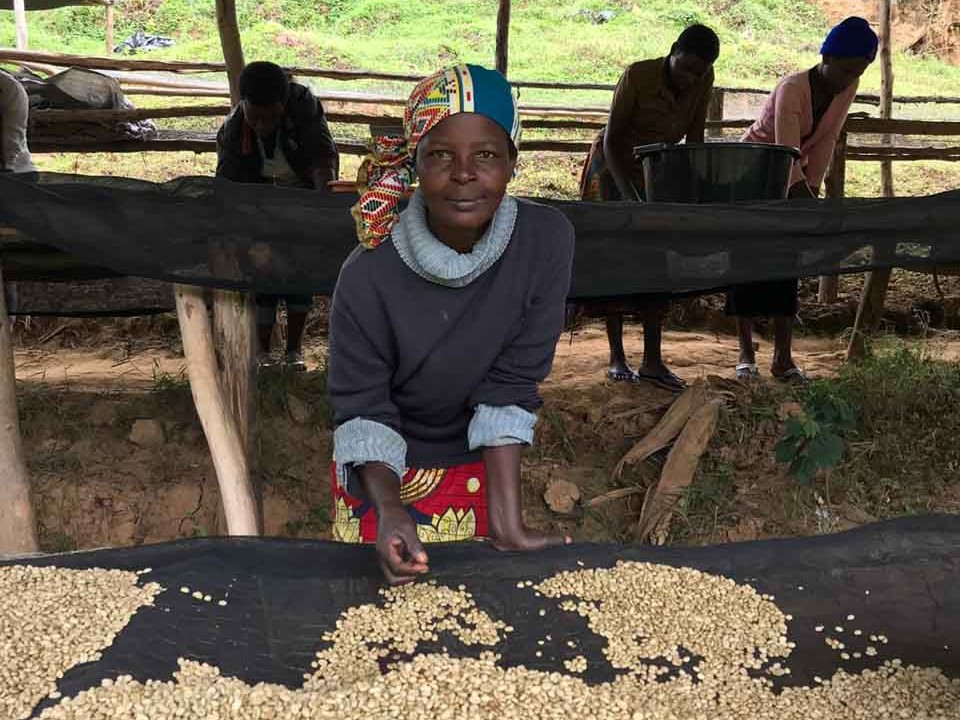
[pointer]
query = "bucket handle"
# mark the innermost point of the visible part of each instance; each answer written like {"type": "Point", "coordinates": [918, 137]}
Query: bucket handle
{"type": "Point", "coordinates": [643, 150]}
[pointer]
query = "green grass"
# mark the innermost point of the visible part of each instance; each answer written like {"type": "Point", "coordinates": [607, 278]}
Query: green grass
{"type": "Point", "coordinates": [761, 39]}
{"type": "Point", "coordinates": [900, 455]}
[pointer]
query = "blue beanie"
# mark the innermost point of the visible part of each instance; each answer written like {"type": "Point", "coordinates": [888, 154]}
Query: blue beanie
{"type": "Point", "coordinates": [853, 38]}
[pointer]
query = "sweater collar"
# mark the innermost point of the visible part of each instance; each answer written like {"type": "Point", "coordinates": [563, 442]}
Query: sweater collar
{"type": "Point", "coordinates": [427, 256]}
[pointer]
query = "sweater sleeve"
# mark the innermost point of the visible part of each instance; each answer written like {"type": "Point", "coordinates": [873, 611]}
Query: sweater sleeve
{"type": "Point", "coordinates": [367, 421]}
{"type": "Point", "coordinates": [505, 401]}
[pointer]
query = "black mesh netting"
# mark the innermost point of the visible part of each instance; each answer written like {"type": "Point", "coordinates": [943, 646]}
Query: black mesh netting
{"type": "Point", "coordinates": [900, 579]}
{"type": "Point", "coordinates": [207, 232]}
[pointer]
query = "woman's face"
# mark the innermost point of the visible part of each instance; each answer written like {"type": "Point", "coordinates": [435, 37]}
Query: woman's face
{"type": "Point", "coordinates": [841, 73]}
{"type": "Point", "coordinates": [464, 165]}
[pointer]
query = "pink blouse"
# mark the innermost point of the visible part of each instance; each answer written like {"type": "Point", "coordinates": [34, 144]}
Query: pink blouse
{"type": "Point", "coordinates": [787, 119]}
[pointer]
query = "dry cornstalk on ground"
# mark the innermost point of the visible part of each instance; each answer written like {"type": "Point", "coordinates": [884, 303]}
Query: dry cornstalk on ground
{"type": "Point", "coordinates": [670, 425]}
{"type": "Point", "coordinates": [678, 472]}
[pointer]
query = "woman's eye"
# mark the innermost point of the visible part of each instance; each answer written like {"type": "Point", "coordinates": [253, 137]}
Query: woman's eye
{"type": "Point", "coordinates": [440, 154]}
{"type": "Point", "coordinates": [486, 154]}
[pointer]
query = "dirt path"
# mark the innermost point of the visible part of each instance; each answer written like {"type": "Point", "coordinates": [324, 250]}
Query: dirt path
{"type": "Point", "coordinates": [581, 359]}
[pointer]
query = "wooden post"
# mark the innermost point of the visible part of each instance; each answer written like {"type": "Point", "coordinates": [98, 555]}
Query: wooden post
{"type": "Point", "coordinates": [233, 311]}
{"type": "Point", "coordinates": [20, 20]}
{"type": "Point", "coordinates": [111, 22]}
{"type": "Point", "coordinates": [18, 529]}
{"type": "Point", "coordinates": [870, 312]}
{"type": "Point", "coordinates": [835, 185]}
{"type": "Point", "coordinates": [219, 423]}
{"type": "Point", "coordinates": [715, 112]}
{"type": "Point", "coordinates": [503, 35]}
{"type": "Point", "coordinates": [230, 41]}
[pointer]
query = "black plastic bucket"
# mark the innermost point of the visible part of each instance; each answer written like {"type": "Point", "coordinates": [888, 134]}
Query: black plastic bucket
{"type": "Point", "coordinates": [716, 172]}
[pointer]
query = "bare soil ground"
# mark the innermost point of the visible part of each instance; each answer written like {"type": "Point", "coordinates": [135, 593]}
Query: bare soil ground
{"type": "Point", "coordinates": [118, 457]}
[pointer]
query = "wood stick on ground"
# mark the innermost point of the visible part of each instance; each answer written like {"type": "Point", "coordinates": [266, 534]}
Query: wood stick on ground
{"type": "Point", "coordinates": [667, 429]}
{"type": "Point", "coordinates": [18, 529]}
{"type": "Point", "coordinates": [678, 472]}
{"type": "Point", "coordinates": [219, 425]}
{"type": "Point", "coordinates": [617, 494]}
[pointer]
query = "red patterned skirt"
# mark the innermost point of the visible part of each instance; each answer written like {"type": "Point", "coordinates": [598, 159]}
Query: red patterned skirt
{"type": "Point", "coordinates": [446, 504]}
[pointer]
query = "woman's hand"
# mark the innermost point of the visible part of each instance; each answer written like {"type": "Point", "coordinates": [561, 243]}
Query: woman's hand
{"type": "Point", "coordinates": [401, 555]}
{"type": "Point", "coordinates": [801, 190]}
{"type": "Point", "coordinates": [504, 509]}
{"type": "Point", "coordinates": [399, 551]}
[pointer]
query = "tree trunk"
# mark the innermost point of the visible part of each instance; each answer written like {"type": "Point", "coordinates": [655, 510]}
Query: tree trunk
{"type": "Point", "coordinates": [18, 529]}
{"type": "Point", "coordinates": [503, 35]}
{"type": "Point", "coordinates": [20, 20]}
{"type": "Point", "coordinates": [870, 312]}
{"type": "Point", "coordinates": [219, 424]}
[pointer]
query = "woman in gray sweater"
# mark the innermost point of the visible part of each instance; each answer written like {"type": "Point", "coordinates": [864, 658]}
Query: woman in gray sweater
{"type": "Point", "coordinates": [443, 324]}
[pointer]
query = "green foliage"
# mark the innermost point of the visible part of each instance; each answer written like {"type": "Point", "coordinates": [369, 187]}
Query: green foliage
{"type": "Point", "coordinates": [900, 408]}
{"type": "Point", "coordinates": [814, 438]}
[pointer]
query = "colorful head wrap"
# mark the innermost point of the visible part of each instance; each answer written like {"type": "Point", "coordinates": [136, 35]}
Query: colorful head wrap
{"type": "Point", "coordinates": [387, 174]}
{"type": "Point", "coordinates": [853, 38]}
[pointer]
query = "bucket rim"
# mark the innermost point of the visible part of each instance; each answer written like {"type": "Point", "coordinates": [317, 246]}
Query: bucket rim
{"type": "Point", "coordinates": [640, 151]}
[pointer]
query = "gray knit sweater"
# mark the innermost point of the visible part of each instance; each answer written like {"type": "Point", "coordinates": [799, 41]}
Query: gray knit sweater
{"type": "Point", "coordinates": [435, 355]}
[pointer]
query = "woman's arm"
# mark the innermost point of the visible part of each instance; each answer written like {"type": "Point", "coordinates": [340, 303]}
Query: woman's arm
{"type": "Point", "coordinates": [505, 402]}
{"type": "Point", "coordinates": [504, 503]}
{"type": "Point", "coordinates": [788, 128]}
{"type": "Point", "coordinates": [369, 451]}
{"type": "Point", "coordinates": [616, 138]}
{"type": "Point", "coordinates": [402, 557]}
{"type": "Point", "coordinates": [698, 124]}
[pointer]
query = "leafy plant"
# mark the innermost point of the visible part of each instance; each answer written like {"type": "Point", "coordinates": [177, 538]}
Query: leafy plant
{"type": "Point", "coordinates": [814, 438]}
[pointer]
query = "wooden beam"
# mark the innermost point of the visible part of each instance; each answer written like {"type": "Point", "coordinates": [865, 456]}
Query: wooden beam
{"type": "Point", "coordinates": [84, 115]}
{"type": "Point", "coordinates": [99, 63]}
{"type": "Point", "coordinates": [886, 91]}
{"type": "Point", "coordinates": [870, 311]}
{"type": "Point", "coordinates": [835, 185]}
{"type": "Point", "coordinates": [110, 23]}
{"type": "Point", "coordinates": [233, 311]}
{"type": "Point", "coordinates": [503, 36]}
{"type": "Point", "coordinates": [715, 114]}
{"type": "Point", "coordinates": [219, 424]}
{"type": "Point", "coordinates": [232, 47]}
{"type": "Point", "coordinates": [20, 20]}
{"type": "Point", "coordinates": [18, 528]}
{"type": "Point", "coordinates": [95, 63]}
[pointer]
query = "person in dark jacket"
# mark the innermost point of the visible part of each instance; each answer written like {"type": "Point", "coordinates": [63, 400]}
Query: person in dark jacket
{"type": "Point", "coordinates": [442, 325]}
{"type": "Point", "coordinates": [277, 134]}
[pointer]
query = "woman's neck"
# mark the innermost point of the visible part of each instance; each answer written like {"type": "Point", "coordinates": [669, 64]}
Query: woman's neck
{"type": "Point", "coordinates": [462, 240]}
{"type": "Point", "coordinates": [819, 86]}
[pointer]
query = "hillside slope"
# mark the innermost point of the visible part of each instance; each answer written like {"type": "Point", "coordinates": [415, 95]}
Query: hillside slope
{"type": "Point", "coordinates": [762, 39]}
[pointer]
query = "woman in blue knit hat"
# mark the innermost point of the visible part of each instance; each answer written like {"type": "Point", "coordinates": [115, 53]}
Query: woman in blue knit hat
{"type": "Point", "coordinates": [806, 111]}
{"type": "Point", "coordinates": [443, 323]}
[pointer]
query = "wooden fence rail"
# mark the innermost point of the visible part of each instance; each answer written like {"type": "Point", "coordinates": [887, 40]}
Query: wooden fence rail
{"type": "Point", "coordinates": [180, 67]}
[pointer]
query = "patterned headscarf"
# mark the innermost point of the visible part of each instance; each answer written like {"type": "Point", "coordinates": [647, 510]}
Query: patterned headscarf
{"type": "Point", "coordinates": [387, 174]}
